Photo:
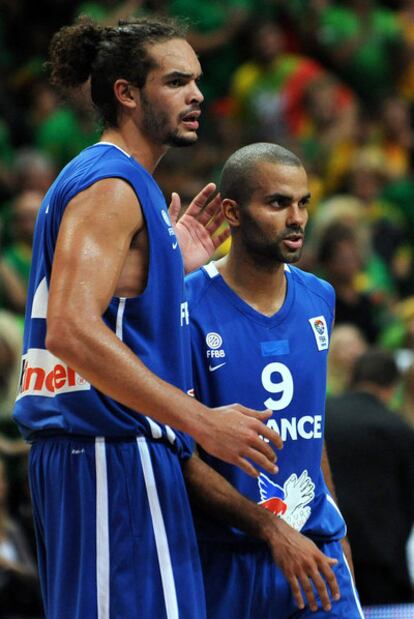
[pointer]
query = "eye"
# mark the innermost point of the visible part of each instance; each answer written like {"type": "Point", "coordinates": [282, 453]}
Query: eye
{"type": "Point", "coordinates": [279, 202]}
{"type": "Point", "coordinates": [176, 83]}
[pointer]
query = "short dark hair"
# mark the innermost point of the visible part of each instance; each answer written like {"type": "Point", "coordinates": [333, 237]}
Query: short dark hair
{"type": "Point", "coordinates": [376, 366]}
{"type": "Point", "coordinates": [104, 54]}
{"type": "Point", "coordinates": [237, 180]}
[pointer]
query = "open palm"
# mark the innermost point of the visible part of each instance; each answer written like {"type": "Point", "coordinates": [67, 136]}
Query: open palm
{"type": "Point", "coordinates": [197, 227]}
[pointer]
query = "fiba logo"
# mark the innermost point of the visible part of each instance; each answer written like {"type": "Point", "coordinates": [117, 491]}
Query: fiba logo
{"type": "Point", "coordinates": [213, 340]}
{"type": "Point", "coordinates": [320, 331]}
{"type": "Point", "coordinates": [166, 217]}
{"type": "Point", "coordinates": [319, 326]}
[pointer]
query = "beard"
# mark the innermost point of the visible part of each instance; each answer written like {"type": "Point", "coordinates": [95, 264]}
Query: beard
{"type": "Point", "coordinates": [265, 251]}
{"type": "Point", "coordinates": [156, 124]}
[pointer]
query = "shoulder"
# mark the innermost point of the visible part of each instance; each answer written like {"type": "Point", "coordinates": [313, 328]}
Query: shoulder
{"type": "Point", "coordinates": [313, 284]}
{"type": "Point", "coordinates": [197, 284]}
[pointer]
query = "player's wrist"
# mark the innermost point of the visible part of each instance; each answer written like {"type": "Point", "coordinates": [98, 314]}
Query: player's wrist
{"type": "Point", "coordinates": [197, 422]}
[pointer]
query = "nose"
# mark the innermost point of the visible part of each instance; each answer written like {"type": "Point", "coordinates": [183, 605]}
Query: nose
{"type": "Point", "coordinates": [195, 95]}
{"type": "Point", "coordinates": [297, 216]}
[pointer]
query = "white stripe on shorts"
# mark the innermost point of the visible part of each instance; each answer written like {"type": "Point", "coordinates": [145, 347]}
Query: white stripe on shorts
{"type": "Point", "coordinates": [160, 534]}
{"type": "Point", "coordinates": [361, 612]}
{"type": "Point", "coordinates": [102, 530]}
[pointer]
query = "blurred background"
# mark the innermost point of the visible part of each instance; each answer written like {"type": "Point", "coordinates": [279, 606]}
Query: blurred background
{"type": "Point", "coordinates": [334, 82]}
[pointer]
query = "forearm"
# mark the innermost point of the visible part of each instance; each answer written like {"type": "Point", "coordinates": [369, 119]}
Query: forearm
{"type": "Point", "coordinates": [95, 352]}
{"type": "Point", "coordinates": [215, 497]}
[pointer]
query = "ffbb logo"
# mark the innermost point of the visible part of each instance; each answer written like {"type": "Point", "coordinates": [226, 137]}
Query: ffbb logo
{"type": "Point", "coordinates": [45, 375]}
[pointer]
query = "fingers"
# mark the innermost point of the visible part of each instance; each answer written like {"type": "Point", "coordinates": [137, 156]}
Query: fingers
{"type": "Point", "coordinates": [297, 593]}
{"type": "Point", "coordinates": [200, 200]}
{"type": "Point", "coordinates": [247, 467]}
{"type": "Point", "coordinates": [220, 238]}
{"type": "Point", "coordinates": [266, 432]}
{"type": "Point", "coordinates": [272, 436]}
{"type": "Point", "coordinates": [330, 578]}
{"type": "Point", "coordinates": [174, 208]}
{"type": "Point", "coordinates": [214, 224]}
{"type": "Point", "coordinates": [314, 581]}
{"type": "Point", "coordinates": [265, 460]}
{"type": "Point", "coordinates": [213, 209]}
{"type": "Point", "coordinates": [308, 591]}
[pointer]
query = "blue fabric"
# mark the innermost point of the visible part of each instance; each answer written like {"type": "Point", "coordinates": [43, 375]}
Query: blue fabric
{"type": "Point", "coordinates": [64, 492]}
{"type": "Point", "coordinates": [229, 338]}
{"type": "Point", "coordinates": [154, 324]}
{"type": "Point", "coordinates": [251, 586]}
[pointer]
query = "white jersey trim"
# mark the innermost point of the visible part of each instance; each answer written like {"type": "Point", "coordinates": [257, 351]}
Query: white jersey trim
{"type": "Point", "coordinates": [160, 534]}
{"type": "Point", "coordinates": [115, 146]}
{"type": "Point", "coordinates": [119, 317]}
{"type": "Point", "coordinates": [211, 269]}
{"type": "Point", "coordinates": [40, 300]}
{"type": "Point", "coordinates": [102, 531]}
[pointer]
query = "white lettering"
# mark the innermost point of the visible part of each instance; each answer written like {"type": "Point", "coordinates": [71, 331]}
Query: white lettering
{"type": "Point", "coordinates": [216, 353]}
{"type": "Point", "coordinates": [184, 315]}
{"type": "Point", "coordinates": [283, 386]}
{"type": "Point", "coordinates": [306, 427]}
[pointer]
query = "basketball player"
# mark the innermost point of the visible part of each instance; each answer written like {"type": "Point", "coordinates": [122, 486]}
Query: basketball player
{"type": "Point", "coordinates": [106, 363]}
{"type": "Point", "coordinates": [260, 332]}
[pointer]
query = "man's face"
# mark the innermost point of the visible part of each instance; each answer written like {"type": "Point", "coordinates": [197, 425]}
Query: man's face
{"type": "Point", "coordinates": [170, 100]}
{"type": "Point", "coordinates": [272, 224]}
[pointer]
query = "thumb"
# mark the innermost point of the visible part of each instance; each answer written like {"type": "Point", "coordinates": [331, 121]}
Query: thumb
{"type": "Point", "coordinates": [175, 206]}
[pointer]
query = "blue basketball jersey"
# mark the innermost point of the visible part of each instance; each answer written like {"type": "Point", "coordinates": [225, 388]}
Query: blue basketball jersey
{"type": "Point", "coordinates": [279, 363]}
{"type": "Point", "coordinates": [154, 325]}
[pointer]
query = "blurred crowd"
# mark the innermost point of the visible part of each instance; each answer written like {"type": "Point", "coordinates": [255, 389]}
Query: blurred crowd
{"type": "Point", "coordinates": [331, 80]}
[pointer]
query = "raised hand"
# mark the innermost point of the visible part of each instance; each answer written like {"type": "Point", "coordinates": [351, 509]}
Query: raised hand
{"type": "Point", "coordinates": [196, 229]}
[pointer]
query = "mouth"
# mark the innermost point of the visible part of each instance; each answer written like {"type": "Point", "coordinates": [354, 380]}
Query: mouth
{"type": "Point", "coordinates": [294, 242]}
{"type": "Point", "coordinates": [190, 120]}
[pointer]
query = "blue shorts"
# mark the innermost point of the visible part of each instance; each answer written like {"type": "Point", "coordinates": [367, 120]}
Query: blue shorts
{"type": "Point", "coordinates": [243, 582]}
{"type": "Point", "coordinates": [114, 531]}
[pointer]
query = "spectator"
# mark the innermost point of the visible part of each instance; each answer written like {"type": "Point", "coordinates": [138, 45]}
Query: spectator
{"type": "Point", "coordinates": [364, 43]}
{"type": "Point", "coordinates": [19, 587]}
{"type": "Point", "coordinates": [268, 89]}
{"type": "Point", "coordinates": [347, 344]}
{"type": "Point", "coordinates": [17, 256]}
{"type": "Point", "coordinates": [371, 453]}
{"type": "Point", "coordinates": [340, 257]}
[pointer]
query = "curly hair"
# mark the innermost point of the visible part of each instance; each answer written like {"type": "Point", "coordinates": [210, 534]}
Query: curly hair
{"type": "Point", "coordinates": [102, 54]}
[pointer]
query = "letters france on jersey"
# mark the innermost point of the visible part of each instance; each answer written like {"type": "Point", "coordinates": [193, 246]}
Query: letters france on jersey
{"type": "Point", "coordinates": [52, 396]}
{"type": "Point", "coordinates": [279, 363]}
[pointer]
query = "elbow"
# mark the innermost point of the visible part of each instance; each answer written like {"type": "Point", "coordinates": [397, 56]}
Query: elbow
{"type": "Point", "coordinates": [60, 340]}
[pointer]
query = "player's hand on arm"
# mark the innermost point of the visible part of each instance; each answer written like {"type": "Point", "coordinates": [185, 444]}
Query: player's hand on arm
{"type": "Point", "coordinates": [93, 249]}
{"type": "Point", "coordinates": [197, 229]}
{"type": "Point", "coordinates": [305, 567]}
{"type": "Point", "coordinates": [235, 434]}
{"type": "Point", "coordinates": [300, 560]}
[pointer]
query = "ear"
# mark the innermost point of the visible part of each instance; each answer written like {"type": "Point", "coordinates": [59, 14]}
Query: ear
{"type": "Point", "coordinates": [231, 212]}
{"type": "Point", "coordinates": [125, 93]}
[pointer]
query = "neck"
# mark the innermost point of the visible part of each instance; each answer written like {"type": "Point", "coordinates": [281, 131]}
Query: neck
{"type": "Point", "coordinates": [262, 288]}
{"type": "Point", "coordinates": [135, 144]}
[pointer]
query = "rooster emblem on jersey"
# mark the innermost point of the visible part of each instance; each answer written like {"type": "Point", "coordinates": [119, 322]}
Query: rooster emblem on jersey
{"type": "Point", "coordinates": [289, 502]}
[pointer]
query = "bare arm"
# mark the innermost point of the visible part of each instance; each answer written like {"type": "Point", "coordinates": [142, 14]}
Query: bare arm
{"type": "Point", "coordinates": [93, 242]}
{"type": "Point", "coordinates": [302, 563]}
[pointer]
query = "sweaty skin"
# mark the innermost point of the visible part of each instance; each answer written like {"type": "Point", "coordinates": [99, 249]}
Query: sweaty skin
{"type": "Point", "coordinates": [102, 251]}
